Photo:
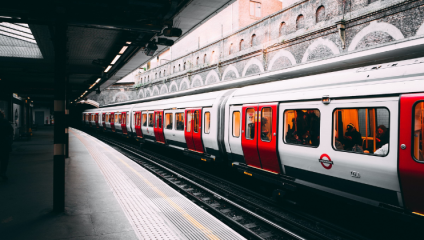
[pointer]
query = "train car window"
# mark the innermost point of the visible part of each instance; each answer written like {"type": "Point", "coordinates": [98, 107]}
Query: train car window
{"type": "Point", "coordinates": [168, 120]}
{"type": "Point", "coordinates": [189, 121]}
{"type": "Point", "coordinates": [362, 130]}
{"type": "Point", "coordinates": [159, 120]}
{"type": "Point", "coordinates": [196, 121]}
{"type": "Point", "coordinates": [144, 120]}
{"type": "Point", "coordinates": [207, 122]}
{"type": "Point", "coordinates": [179, 119]}
{"type": "Point", "coordinates": [250, 123]}
{"type": "Point", "coordinates": [302, 127]}
{"type": "Point", "coordinates": [236, 124]}
{"type": "Point", "coordinates": [266, 124]}
{"type": "Point", "coordinates": [150, 119]}
{"type": "Point", "coordinates": [418, 134]}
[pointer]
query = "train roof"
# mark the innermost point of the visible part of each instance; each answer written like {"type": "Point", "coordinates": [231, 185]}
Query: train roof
{"type": "Point", "coordinates": [382, 79]}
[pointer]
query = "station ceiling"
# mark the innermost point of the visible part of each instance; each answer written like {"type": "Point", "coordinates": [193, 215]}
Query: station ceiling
{"type": "Point", "coordinates": [97, 31]}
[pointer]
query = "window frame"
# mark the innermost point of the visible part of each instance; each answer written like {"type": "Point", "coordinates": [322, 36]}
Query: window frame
{"type": "Point", "coordinates": [270, 124]}
{"type": "Point", "coordinates": [153, 120]}
{"type": "Point", "coordinates": [284, 124]}
{"type": "Point", "coordinates": [172, 122]}
{"type": "Point", "coordinates": [204, 121]}
{"type": "Point", "coordinates": [346, 151]}
{"type": "Point", "coordinates": [175, 127]}
{"type": "Point", "coordinates": [412, 131]}
{"type": "Point", "coordinates": [232, 124]}
{"type": "Point", "coordinates": [245, 132]}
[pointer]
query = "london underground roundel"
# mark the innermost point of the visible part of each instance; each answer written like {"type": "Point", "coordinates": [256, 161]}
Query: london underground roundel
{"type": "Point", "coordinates": [325, 161]}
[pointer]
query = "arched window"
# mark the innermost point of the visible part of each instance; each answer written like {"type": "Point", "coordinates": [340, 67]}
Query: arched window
{"type": "Point", "coordinates": [160, 74]}
{"type": "Point", "coordinates": [148, 78]}
{"type": "Point", "coordinates": [241, 45]}
{"type": "Point", "coordinates": [204, 58]}
{"type": "Point", "coordinates": [184, 67]}
{"type": "Point", "coordinates": [164, 73]}
{"type": "Point", "coordinates": [156, 75]}
{"type": "Point", "coordinates": [320, 16]}
{"type": "Point", "coordinates": [300, 21]}
{"type": "Point", "coordinates": [174, 69]}
{"type": "Point", "coordinates": [253, 42]}
{"type": "Point", "coordinates": [282, 30]}
{"type": "Point", "coordinates": [212, 55]}
{"type": "Point", "coordinates": [229, 51]}
{"type": "Point", "coordinates": [197, 61]}
{"type": "Point", "coordinates": [179, 67]}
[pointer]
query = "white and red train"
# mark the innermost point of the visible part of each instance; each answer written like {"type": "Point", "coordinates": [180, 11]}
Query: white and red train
{"type": "Point", "coordinates": [354, 133]}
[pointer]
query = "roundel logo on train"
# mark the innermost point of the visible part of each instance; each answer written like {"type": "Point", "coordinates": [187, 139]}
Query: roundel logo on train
{"type": "Point", "coordinates": [325, 161]}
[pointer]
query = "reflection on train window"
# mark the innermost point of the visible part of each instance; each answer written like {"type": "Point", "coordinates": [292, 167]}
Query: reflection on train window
{"type": "Point", "coordinates": [144, 120]}
{"type": "Point", "coordinates": [362, 130]}
{"type": "Point", "coordinates": [150, 119]}
{"type": "Point", "coordinates": [250, 123]}
{"type": "Point", "coordinates": [196, 121]}
{"type": "Point", "coordinates": [168, 120]}
{"type": "Point", "coordinates": [302, 127]}
{"type": "Point", "coordinates": [159, 120]}
{"type": "Point", "coordinates": [179, 119]}
{"type": "Point", "coordinates": [207, 122]}
{"type": "Point", "coordinates": [236, 124]}
{"type": "Point", "coordinates": [419, 132]}
{"type": "Point", "coordinates": [189, 117]}
{"type": "Point", "coordinates": [266, 124]}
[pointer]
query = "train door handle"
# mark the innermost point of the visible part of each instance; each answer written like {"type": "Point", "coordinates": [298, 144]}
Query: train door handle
{"type": "Point", "coordinates": [275, 134]}
{"type": "Point", "coordinates": [403, 146]}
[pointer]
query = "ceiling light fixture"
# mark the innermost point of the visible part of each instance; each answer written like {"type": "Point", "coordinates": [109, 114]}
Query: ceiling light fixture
{"type": "Point", "coordinates": [108, 68]}
{"type": "Point", "coordinates": [115, 59]}
{"type": "Point", "coordinates": [123, 49]}
{"type": "Point", "coordinates": [128, 42]}
{"type": "Point", "coordinates": [98, 80]}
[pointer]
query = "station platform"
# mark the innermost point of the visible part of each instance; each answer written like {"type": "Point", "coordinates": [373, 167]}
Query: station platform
{"type": "Point", "coordinates": [108, 196]}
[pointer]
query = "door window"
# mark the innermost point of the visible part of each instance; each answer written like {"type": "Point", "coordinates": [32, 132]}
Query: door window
{"type": "Point", "coordinates": [189, 118]}
{"type": "Point", "coordinates": [159, 120]}
{"type": "Point", "coordinates": [362, 130]}
{"type": "Point", "coordinates": [144, 120]}
{"type": "Point", "coordinates": [196, 121]}
{"type": "Point", "coordinates": [418, 133]}
{"type": "Point", "coordinates": [302, 127]}
{"type": "Point", "coordinates": [250, 123]}
{"type": "Point", "coordinates": [266, 124]}
{"type": "Point", "coordinates": [236, 124]}
{"type": "Point", "coordinates": [150, 119]}
{"type": "Point", "coordinates": [179, 119]}
{"type": "Point", "coordinates": [168, 120]}
{"type": "Point", "coordinates": [207, 122]}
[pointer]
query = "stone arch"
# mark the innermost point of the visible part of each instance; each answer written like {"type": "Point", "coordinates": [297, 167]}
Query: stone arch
{"type": "Point", "coordinates": [230, 68]}
{"type": "Point", "coordinates": [147, 92]}
{"type": "Point", "coordinates": [120, 95]}
{"type": "Point", "coordinates": [253, 61]}
{"type": "Point", "coordinates": [163, 89]}
{"type": "Point", "coordinates": [173, 86]}
{"type": "Point", "coordinates": [420, 30]}
{"type": "Point", "coordinates": [155, 91]}
{"type": "Point", "coordinates": [321, 41]}
{"type": "Point", "coordinates": [140, 94]}
{"type": "Point", "coordinates": [376, 27]}
{"type": "Point", "coordinates": [209, 78]}
{"type": "Point", "coordinates": [186, 82]}
{"type": "Point", "coordinates": [282, 53]}
{"type": "Point", "coordinates": [197, 81]}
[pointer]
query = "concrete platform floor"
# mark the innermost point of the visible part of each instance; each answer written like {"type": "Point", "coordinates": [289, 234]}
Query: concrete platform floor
{"type": "Point", "coordinates": [26, 199]}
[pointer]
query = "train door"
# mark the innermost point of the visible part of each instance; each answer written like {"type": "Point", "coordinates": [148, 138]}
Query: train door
{"type": "Point", "coordinates": [97, 120]}
{"type": "Point", "coordinates": [124, 123]}
{"type": "Point", "coordinates": [112, 121]}
{"type": "Point", "coordinates": [89, 119]}
{"type": "Point", "coordinates": [193, 132]}
{"type": "Point", "coordinates": [411, 151]}
{"type": "Point", "coordinates": [158, 127]}
{"type": "Point", "coordinates": [137, 123]}
{"type": "Point", "coordinates": [104, 120]}
{"type": "Point", "coordinates": [234, 134]}
{"type": "Point", "coordinates": [259, 140]}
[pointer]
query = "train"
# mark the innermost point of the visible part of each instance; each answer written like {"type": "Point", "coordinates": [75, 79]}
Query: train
{"type": "Point", "coordinates": [356, 133]}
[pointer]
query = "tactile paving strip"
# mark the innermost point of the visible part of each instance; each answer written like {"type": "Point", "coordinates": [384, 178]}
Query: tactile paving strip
{"type": "Point", "coordinates": [190, 220]}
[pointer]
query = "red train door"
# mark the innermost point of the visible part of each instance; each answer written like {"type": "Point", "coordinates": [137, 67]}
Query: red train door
{"type": "Point", "coordinates": [97, 120]}
{"type": "Point", "coordinates": [267, 137]}
{"type": "Point", "coordinates": [249, 139]}
{"type": "Point", "coordinates": [158, 127]}
{"type": "Point", "coordinates": [137, 121]}
{"type": "Point", "coordinates": [112, 121]}
{"type": "Point", "coordinates": [124, 123]}
{"type": "Point", "coordinates": [193, 130]}
{"type": "Point", "coordinates": [89, 119]}
{"type": "Point", "coordinates": [103, 120]}
{"type": "Point", "coordinates": [411, 151]}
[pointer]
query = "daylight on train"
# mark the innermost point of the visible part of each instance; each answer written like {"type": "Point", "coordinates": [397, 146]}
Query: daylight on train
{"type": "Point", "coordinates": [207, 120]}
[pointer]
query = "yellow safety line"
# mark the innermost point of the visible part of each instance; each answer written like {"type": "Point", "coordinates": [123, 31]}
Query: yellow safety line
{"type": "Point", "coordinates": [193, 221]}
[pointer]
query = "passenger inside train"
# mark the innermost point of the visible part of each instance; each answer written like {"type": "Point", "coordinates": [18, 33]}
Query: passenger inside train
{"type": "Point", "coordinates": [151, 122]}
{"type": "Point", "coordinates": [419, 132]}
{"type": "Point", "coordinates": [302, 127]}
{"type": "Point", "coordinates": [179, 117]}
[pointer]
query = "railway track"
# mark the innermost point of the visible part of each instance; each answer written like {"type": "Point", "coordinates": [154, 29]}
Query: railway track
{"type": "Point", "coordinates": [251, 214]}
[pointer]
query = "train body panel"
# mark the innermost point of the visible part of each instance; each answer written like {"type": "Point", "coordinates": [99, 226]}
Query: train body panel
{"type": "Point", "coordinates": [336, 132]}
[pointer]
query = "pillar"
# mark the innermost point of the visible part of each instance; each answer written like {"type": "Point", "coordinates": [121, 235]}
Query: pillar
{"type": "Point", "coordinates": [59, 41]}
